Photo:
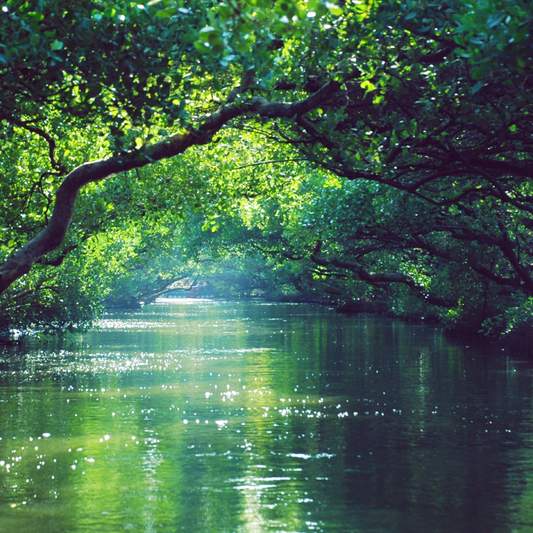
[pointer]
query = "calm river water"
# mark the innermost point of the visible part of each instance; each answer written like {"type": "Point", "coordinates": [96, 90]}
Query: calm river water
{"type": "Point", "coordinates": [205, 416]}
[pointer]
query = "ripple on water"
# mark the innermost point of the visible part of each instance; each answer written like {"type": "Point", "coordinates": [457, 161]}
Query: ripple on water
{"type": "Point", "coordinates": [257, 432]}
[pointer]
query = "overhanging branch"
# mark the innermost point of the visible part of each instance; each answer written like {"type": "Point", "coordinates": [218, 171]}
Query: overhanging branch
{"type": "Point", "coordinates": [21, 262]}
{"type": "Point", "coordinates": [394, 277]}
{"type": "Point", "coordinates": [56, 165]}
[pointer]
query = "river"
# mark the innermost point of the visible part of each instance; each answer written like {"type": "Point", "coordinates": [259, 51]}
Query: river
{"type": "Point", "coordinates": [204, 416]}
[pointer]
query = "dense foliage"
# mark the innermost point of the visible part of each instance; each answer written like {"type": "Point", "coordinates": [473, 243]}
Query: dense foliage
{"type": "Point", "coordinates": [376, 151]}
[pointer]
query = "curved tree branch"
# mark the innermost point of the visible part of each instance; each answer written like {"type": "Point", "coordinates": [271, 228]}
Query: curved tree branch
{"type": "Point", "coordinates": [394, 277]}
{"type": "Point", "coordinates": [56, 165]}
{"type": "Point", "coordinates": [21, 262]}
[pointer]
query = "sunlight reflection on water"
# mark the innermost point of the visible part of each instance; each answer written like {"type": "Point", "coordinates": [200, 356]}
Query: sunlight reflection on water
{"type": "Point", "coordinates": [195, 416]}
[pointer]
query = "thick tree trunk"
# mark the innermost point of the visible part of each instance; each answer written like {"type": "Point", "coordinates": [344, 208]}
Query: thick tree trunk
{"type": "Point", "coordinates": [21, 262]}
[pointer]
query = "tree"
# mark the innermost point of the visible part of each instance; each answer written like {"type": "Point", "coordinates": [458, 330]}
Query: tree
{"type": "Point", "coordinates": [438, 120]}
{"type": "Point", "coordinates": [153, 78]}
{"type": "Point", "coordinates": [428, 103]}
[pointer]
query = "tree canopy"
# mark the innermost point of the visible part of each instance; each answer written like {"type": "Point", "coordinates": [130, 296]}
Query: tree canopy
{"type": "Point", "coordinates": [361, 149]}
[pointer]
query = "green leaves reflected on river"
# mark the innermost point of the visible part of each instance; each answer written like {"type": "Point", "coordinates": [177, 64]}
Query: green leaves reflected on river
{"type": "Point", "coordinates": [241, 418]}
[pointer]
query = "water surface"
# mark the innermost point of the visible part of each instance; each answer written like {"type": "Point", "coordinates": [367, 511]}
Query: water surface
{"type": "Point", "coordinates": [206, 416]}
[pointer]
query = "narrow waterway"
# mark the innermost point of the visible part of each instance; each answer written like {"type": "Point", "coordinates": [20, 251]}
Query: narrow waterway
{"type": "Point", "coordinates": [205, 416]}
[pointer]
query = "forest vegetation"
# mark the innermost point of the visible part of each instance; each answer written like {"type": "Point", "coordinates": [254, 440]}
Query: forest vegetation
{"type": "Point", "coordinates": [376, 152]}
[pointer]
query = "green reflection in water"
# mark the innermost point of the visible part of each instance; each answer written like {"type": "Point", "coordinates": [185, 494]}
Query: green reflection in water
{"type": "Point", "coordinates": [232, 417]}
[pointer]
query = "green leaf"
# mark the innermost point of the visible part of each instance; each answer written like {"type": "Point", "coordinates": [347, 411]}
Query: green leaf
{"type": "Point", "coordinates": [477, 87]}
{"type": "Point", "coordinates": [368, 85]}
{"type": "Point", "coordinates": [462, 53]}
{"type": "Point", "coordinates": [214, 38]}
{"type": "Point", "coordinates": [167, 12]}
{"type": "Point", "coordinates": [56, 45]}
{"type": "Point", "coordinates": [205, 33]}
{"type": "Point", "coordinates": [216, 49]}
{"type": "Point", "coordinates": [37, 17]}
{"type": "Point", "coordinates": [334, 9]}
{"type": "Point", "coordinates": [203, 47]}
{"type": "Point", "coordinates": [521, 34]}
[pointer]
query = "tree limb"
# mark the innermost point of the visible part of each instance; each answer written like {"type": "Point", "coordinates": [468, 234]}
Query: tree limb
{"type": "Point", "coordinates": [56, 165]}
{"type": "Point", "coordinates": [21, 262]}
{"type": "Point", "coordinates": [394, 277]}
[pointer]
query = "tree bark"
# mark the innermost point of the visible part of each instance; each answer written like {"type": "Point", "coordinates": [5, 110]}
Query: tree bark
{"type": "Point", "coordinates": [21, 262]}
{"type": "Point", "coordinates": [393, 277]}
